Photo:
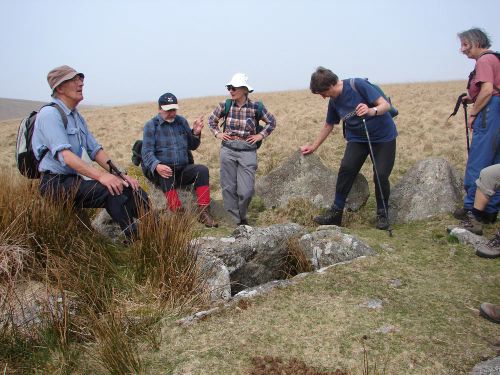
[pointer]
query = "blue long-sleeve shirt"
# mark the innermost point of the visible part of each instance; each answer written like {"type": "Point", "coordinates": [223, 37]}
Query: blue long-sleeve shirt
{"type": "Point", "coordinates": [49, 133]}
{"type": "Point", "coordinates": [167, 143]}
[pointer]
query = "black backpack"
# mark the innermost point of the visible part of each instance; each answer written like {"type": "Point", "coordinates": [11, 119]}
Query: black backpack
{"type": "Point", "coordinates": [258, 117]}
{"type": "Point", "coordinates": [26, 161]}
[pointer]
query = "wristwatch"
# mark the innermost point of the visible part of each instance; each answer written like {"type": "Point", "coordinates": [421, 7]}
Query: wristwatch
{"type": "Point", "coordinates": [376, 111]}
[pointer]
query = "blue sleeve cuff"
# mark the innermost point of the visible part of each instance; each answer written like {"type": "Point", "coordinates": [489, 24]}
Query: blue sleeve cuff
{"type": "Point", "coordinates": [58, 156]}
{"type": "Point", "coordinates": [154, 165]}
{"type": "Point", "coordinates": [94, 153]}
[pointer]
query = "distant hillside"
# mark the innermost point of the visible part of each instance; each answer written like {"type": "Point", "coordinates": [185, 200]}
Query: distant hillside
{"type": "Point", "coordinates": [19, 108]}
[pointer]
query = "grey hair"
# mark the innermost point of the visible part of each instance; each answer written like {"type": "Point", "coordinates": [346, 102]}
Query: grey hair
{"type": "Point", "coordinates": [476, 37]}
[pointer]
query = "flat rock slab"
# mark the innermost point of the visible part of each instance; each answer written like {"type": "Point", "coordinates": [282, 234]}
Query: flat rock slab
{"type": "Point", "coordinates": [490, 367]}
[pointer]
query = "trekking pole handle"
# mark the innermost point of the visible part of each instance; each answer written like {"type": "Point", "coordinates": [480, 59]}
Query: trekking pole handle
{"type": "Point", "coordinates": [114, 168]}
{"type": "Point", "coordinates": [457, 104]}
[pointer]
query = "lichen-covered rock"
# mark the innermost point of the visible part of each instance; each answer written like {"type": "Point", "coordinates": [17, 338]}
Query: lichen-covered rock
{"type": "Point", "coordinates": [329, 245]}
{"type": "Point", "coordinates": [307, 177]}
{"type": "Point", "coordinates": [429, 188]}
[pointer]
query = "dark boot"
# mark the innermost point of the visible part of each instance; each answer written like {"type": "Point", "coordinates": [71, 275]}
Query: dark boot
{"type": "Point", "coordinates": [460, 213]}
{"type": "Point", "coordinates": [490, 217]}
{"type": "Point", "coordinates": [206, 218]}
{"type": "Point", "coordinates": [472, 224]}
{"type": "Point", "coordinates": [332, 217]}
{"type": "Point", "coordinates": [382, 220]}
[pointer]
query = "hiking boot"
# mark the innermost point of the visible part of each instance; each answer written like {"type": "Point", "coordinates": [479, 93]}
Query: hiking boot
{"type": "Point", "coordinates": [472, 224]}
{"type": "Point", "coordinates": [460, 213]}
{"type": "Point", "coordinates": [332, 217]}
{"type": "Point", "coordinates": [242, 222]}
{"type": "Point", "coordinates": [206, 218]}
{"type": "Point", "coordinates": [490, 312]}
{"type": "Point", "coordinates": [382, 220]}
{"type": "Point", "coordinates": [490, 217]}
{"type": "Point", "coordinates": [491, 249]}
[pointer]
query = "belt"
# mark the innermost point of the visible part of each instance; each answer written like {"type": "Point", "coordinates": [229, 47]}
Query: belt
{"type": "Point", "coordinates": [237, 149]}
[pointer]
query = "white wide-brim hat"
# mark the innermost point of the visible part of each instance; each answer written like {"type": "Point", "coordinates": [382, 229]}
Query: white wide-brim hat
{"type": "Point", "coordinates": [240, 80]}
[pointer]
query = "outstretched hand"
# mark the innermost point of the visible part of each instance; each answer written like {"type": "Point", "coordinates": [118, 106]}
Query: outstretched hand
{"type": "Point", "coordinates": [307, 149]}
{"type": "Point", "coordinates": [198, 125]}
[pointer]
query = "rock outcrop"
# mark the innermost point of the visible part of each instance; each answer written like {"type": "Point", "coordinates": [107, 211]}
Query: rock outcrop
{"type": "Point", "coordinates": [429, 188]}
{"type": "Point", "coordinates": [307, 177]}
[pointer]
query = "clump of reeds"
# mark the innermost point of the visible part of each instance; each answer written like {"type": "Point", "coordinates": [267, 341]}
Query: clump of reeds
{"type": "Point", "coordinates": [167, 259]}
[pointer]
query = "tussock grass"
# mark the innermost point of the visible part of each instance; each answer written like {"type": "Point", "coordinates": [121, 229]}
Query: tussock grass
{"type": "Point", "coordinates": [60, 283]}
{"type": "Point", "coordinates": [166, 258]}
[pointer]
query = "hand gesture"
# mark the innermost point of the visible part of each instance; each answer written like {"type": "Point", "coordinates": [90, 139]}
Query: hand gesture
{"type": "Point", "coordinates": [198, 125]}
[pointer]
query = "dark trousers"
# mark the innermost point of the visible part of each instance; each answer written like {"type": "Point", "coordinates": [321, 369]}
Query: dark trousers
{"type": "Point", "coordinates": [123, 208]}
{"type": "Point", "coordinates": [354, 157]}
{"type": "Point", "coordinates": [196, 174]}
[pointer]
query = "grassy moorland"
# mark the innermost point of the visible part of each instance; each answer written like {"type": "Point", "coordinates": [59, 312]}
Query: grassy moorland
{"type": "Point", "coordinates": [117, 306]}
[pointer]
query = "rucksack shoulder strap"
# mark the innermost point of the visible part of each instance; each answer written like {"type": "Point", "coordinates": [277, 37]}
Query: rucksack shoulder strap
{"type": "Point", "coordinates": [61, 112]}
{"type": "Point", "coordinates": [353, 85]}
{"type": "Point", "coordinates": [227, 107]}
{"type": "Point", "coordinates": [258, 113]}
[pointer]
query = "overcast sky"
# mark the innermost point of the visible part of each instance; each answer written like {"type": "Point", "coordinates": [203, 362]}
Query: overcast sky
{"type": "Point", "coordinates": [133, 51]}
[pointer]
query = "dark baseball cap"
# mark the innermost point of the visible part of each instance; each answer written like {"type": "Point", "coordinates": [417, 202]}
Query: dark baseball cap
{"type": "Point", "coordinates": [168, 101]}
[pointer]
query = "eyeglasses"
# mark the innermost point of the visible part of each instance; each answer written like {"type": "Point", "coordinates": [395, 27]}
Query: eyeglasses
{"type": "Point", "coordinates": [76, 78]}
{"type": "Point", "coordinates": [232, 88]}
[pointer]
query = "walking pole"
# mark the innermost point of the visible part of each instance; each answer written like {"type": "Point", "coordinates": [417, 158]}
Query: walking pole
{"type": "Point", "coordinates": [466, 126]}
{"type": "Point", "coordinates": [389, 230]}
{"type": "Point", "coordinates": [455, 110]}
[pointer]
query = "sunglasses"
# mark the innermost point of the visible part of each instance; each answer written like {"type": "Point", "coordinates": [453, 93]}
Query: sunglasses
{"type": "Point", "coordinates": [232, 88]}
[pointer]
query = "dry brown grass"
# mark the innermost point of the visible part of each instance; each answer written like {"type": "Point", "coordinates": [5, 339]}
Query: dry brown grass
{"type": "Point", "coordinates": [316, 324]}
{"type": "Point", "coordinates": [423, 107]}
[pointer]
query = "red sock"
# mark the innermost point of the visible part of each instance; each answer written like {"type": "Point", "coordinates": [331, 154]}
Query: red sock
{"type": "Point", "coordinates": [173, 201]}
{"type": "Point", "coordinates": [203, 195]}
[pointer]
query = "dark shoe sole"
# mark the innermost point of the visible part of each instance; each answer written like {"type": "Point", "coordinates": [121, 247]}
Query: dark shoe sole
{"type": "Point", "coordinates": [486, 256]}
{"type": "Point", "coordinates": [486, 316]}
{"type": "Point", "coordinates": [318, 220]}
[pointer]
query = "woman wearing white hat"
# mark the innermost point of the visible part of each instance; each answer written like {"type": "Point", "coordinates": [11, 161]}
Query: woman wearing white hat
{"type": "Point", "coordinates": [240, 136]}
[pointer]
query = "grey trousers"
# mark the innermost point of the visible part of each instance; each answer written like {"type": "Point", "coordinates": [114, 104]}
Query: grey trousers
{"type": "Point", "coordinates": [237, 180]}
{"type": "Point", "coordinates": [489, 180]}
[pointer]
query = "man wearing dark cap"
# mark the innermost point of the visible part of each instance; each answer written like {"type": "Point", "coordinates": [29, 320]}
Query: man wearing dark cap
{"type": "Point", "coordinates": [65, 146]}
{"type": "Point", "coordinates": [167, 160]}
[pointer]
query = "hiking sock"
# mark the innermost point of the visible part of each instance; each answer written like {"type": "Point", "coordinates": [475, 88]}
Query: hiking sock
{"type": "Point", "coordinates": [173, 201]}
{"type": "Point", "coordinates": [203, 195]}
{"type": "Point", "coordinates": [478, 214]}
